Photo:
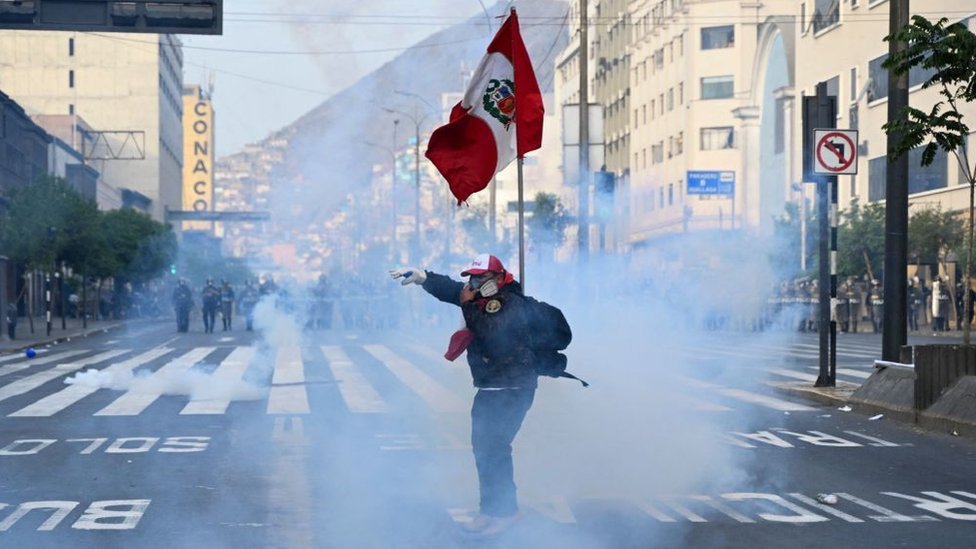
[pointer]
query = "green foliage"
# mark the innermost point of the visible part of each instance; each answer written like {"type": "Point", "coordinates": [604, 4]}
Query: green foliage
{"type": "Point", "coordinates": [947, 52]}
{"type": "Point", "coordinates": [860, 240]}
{"type": "Point", "coordinates": [933, 234]}
{"type": "Point", "coordinates": [40, 221]}
{"type": "Point", "coordinates": [787, 234]}
{"type": "Point", "coordinates": [547, 225]}
{"type": "Point", "coordinates": [49, 222]}
{"type": "Point", "coordinates": [141, 247]}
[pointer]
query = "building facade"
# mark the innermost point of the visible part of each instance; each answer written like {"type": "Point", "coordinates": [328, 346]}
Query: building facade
{"type": "Point", "coordinates": [127, 86]}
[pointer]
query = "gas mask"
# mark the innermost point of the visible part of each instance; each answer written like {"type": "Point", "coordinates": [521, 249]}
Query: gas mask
{"type": "Point", "coordinates": [485, 284]}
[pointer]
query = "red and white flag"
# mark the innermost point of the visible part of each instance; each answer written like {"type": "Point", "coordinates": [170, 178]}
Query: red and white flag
{"type": "Point", "coordinates": [499, 118]}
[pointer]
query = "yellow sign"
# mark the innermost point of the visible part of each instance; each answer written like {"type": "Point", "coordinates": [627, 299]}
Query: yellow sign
{"type": "Point", "coordinates": [198, 157]}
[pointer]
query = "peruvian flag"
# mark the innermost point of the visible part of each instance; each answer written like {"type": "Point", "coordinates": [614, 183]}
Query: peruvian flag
{"type": "Point", "coordinates": [499, 118]}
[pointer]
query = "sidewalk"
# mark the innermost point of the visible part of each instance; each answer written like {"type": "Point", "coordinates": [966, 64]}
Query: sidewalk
{"type": "Point", "coordinates": [73, 329]}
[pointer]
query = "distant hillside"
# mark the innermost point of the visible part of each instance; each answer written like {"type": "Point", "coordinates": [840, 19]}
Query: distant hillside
{"type": "Point", "coordinates": [326, 155]}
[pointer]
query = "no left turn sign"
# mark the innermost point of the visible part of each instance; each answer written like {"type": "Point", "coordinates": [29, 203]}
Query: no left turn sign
{"type": "Point", "coordinates": [835, 152]}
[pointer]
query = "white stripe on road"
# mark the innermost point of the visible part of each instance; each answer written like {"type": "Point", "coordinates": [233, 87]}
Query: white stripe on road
{"type": "Point", "coordinates": [791, 374]}
{"type": "Point", "coordinates": [763, 400]}
{"type": "Point", "coordinates": [232, 370]}
{"type": "Point", "coordinates": [288, 392]}
{"type": "Point", "coordinates": [146, 391]}
{"type": "Point", "coordinates": [28, 383]}
{"type": "Point", "coordinates": [438, 397]}
{"type": "Point", "coordinates": [40, 361]}
{"type": "Point", "coordinates": [52, 404]}
{"type": "Point", "coordinates": [854, 373]}
{"type": "Point", "coordinates": [360, 397]}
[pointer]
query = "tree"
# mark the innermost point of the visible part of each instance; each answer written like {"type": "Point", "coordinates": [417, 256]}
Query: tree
{"type": "Point", "coordinates": [787, 235]}
{"type": "Point", "coordinates": [946, 52]}
{"type": "Point", "coordinates": [548, 223]}
{"type": "Point", "coordinates": [39, 222]}
{"type": "Point", "coordinates": [142, 247]}
{"type": "Point", "coordinates": [933, 234]}
{"type": "Point", "coordinates": [860, 240]}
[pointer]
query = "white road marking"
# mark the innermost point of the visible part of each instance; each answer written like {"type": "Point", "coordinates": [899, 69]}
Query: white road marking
{"type": "Point", "coordinates": [438, 397]}
{"type": "Point", "coordinates": [360, 397]}
{"type": "Point", "coordinates": [825, 508]}
{"type": "Point", "coordinates": [763, 400]}
{"type": "Point", "coordinates": [293, 397]}
{"type": "Point", "coordinates": [792, 374]}
{"type": "Point", "coordinates": [232, 369]}
{"type": "Point", "coordinates": [39, 361]}
{"type": "Point", "coordinates": [136, 400]}
{"type": "Point", "coordinates": [34, 381]}
{"type": "Point", "coordinates": [56, 402]}
{"type": "Point", "coordinates": [854, 373]}
{"type": "Point", "coordinates": [884, 515]}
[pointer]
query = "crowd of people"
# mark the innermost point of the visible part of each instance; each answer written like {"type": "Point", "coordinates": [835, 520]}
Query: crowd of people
{"type": "Point", "coordinates": [860, 304]}
{"type": "Point", "coordinates": [351, 303]}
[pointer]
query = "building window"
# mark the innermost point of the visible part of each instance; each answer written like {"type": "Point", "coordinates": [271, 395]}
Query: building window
{"type": "Point", "coordinates": [803, 18]}
{"type": "Point", "coordinates": [653, 107]}
{"type": "Point", "coordinates": [71, 78]}
{"type": "Point", "coordinates": [681, 93]}
{"type": "Point", "coordinates": [660, 196]}
{"type": "Point", "coordinates": [71, 108]}
{"type": "Point", "coordinates": [717, 138]}
{"type": "Point", "coordinates": [681, 44]}
{"type": "Point", "coordinates": [660, 102]}
{"type": "Point", "coordinates": [644, 113]}
{"type": "Point", "coordinates": [670, 99]}
{"type": "Point", "coordinates": [657, 153]}
{"type": "Point", "coordinates": [717, 87]}
{"type": "Point", "coordinates": [71, 47]}
{"type": "Point", "coordinates": [636, 120]}
{"type": "Point", "coordinates": [878, 78]}
{"type": "Point", "coordinates": [713, 38]}
{"type": "Point", "coordinates": [670, 194]}
{"type": "Point", "coordinates": [826, 14]}
{"type": "Point", "coordinates": [659, 59]}
{"type": "Point", "coordinates": [920, 179]}
{"type": "Point", "coordinates": [679, 143]}
{"type": "Point", "coordinates": [853, 84]}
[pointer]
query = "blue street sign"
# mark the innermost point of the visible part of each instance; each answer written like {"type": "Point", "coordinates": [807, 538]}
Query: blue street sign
{"type": "Point", "coordinates": [721, 183]}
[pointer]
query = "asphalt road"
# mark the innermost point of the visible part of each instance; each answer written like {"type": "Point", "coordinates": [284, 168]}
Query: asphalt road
{"type": "Point", "coordinates": [352, 439]}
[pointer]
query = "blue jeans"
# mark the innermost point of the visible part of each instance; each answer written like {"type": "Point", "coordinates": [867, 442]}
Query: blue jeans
{"type": "Point", "coordinates": [496, 417]}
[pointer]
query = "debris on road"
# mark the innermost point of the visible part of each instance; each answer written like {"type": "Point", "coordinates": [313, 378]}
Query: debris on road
{"type": "Point", "coordinates": [879, 416]}
{"type": "Point", "coordinates": [845, 408]}
{"type": "Point", "coordinates": [829, 499]}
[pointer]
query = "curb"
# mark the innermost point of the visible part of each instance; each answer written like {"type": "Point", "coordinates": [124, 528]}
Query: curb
{"type": "Point", "coordinates": [64, 337]}
{"type": "Point", "coordinates": [830, 396]}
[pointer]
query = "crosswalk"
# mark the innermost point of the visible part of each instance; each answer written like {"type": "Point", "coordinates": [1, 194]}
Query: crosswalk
{"type": "Point", "coordinates": [368, 379]}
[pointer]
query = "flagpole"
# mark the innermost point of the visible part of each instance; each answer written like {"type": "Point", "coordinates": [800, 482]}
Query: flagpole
{"type": "Point", "coordinates": [521, 200]}
{"type": "Point", "coordinates": [521, 226]}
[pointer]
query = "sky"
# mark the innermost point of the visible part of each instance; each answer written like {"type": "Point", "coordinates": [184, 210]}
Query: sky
{"type": "Point", "coordinates": [257, 92]}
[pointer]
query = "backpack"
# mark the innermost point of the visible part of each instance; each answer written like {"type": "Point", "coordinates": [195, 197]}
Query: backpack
{"type": "Point", "coordinates": [553, 364]}
{"type": "Point", "coordinates": [553, 336]}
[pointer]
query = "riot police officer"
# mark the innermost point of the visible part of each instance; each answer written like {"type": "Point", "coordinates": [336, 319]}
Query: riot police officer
{"type": "Point", "coordinates": [249, 298]}
{"type": "Point", "coordinates": [182, 303]}
{"type": "Point", "coordinates": [876, 300]}
{"type": "Point", "coordinates": [210, 296]}
{"type": "Point", "coordinates": [226, 303]}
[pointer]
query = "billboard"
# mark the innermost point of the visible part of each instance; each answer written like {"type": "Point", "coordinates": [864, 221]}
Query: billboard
{"type": "Point", "coordinates": [198, 155]}
{"type": "Point", "coordinates": [149, 16]}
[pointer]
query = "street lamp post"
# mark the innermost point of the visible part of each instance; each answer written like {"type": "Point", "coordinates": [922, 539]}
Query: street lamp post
{"type": "Point", "coordinates": [392, 153]}
{"type": "Point", "coordinates": [417, 123]}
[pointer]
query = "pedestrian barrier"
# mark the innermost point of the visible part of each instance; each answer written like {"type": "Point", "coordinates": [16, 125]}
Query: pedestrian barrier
{"type": "Point", "coordinates": [955, 410]}
{"type": "Point", "coordinates": [937, 367]}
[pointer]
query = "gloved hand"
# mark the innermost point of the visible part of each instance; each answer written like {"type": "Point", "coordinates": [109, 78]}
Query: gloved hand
{"type": "Point", "coordinates": [410, 275]}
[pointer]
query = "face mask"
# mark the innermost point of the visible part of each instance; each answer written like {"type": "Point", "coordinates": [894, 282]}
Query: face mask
{"type": "Point", "coordinates": [489, 288]}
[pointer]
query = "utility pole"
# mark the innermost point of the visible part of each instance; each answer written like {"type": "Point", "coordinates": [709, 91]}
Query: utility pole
{"type": "Point", "coordinates": [584, 138]}
{"type": "Point", "coordinates": [895, 331]}
{"type": "Point", "coordinates": [393, 198]}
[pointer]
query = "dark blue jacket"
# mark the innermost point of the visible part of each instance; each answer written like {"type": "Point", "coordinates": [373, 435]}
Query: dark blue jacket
{"type": "Point", "coordinates": [509, 343]}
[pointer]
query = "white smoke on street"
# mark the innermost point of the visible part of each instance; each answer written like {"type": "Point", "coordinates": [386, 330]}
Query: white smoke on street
{"type": "Point", "coordinates": [194, 384]}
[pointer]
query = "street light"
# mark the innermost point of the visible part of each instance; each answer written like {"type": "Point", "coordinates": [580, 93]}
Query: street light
{"type": "Point", "coordinates": [418, 122]}
{"type": "Point", "coordinates": [392, 153]}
